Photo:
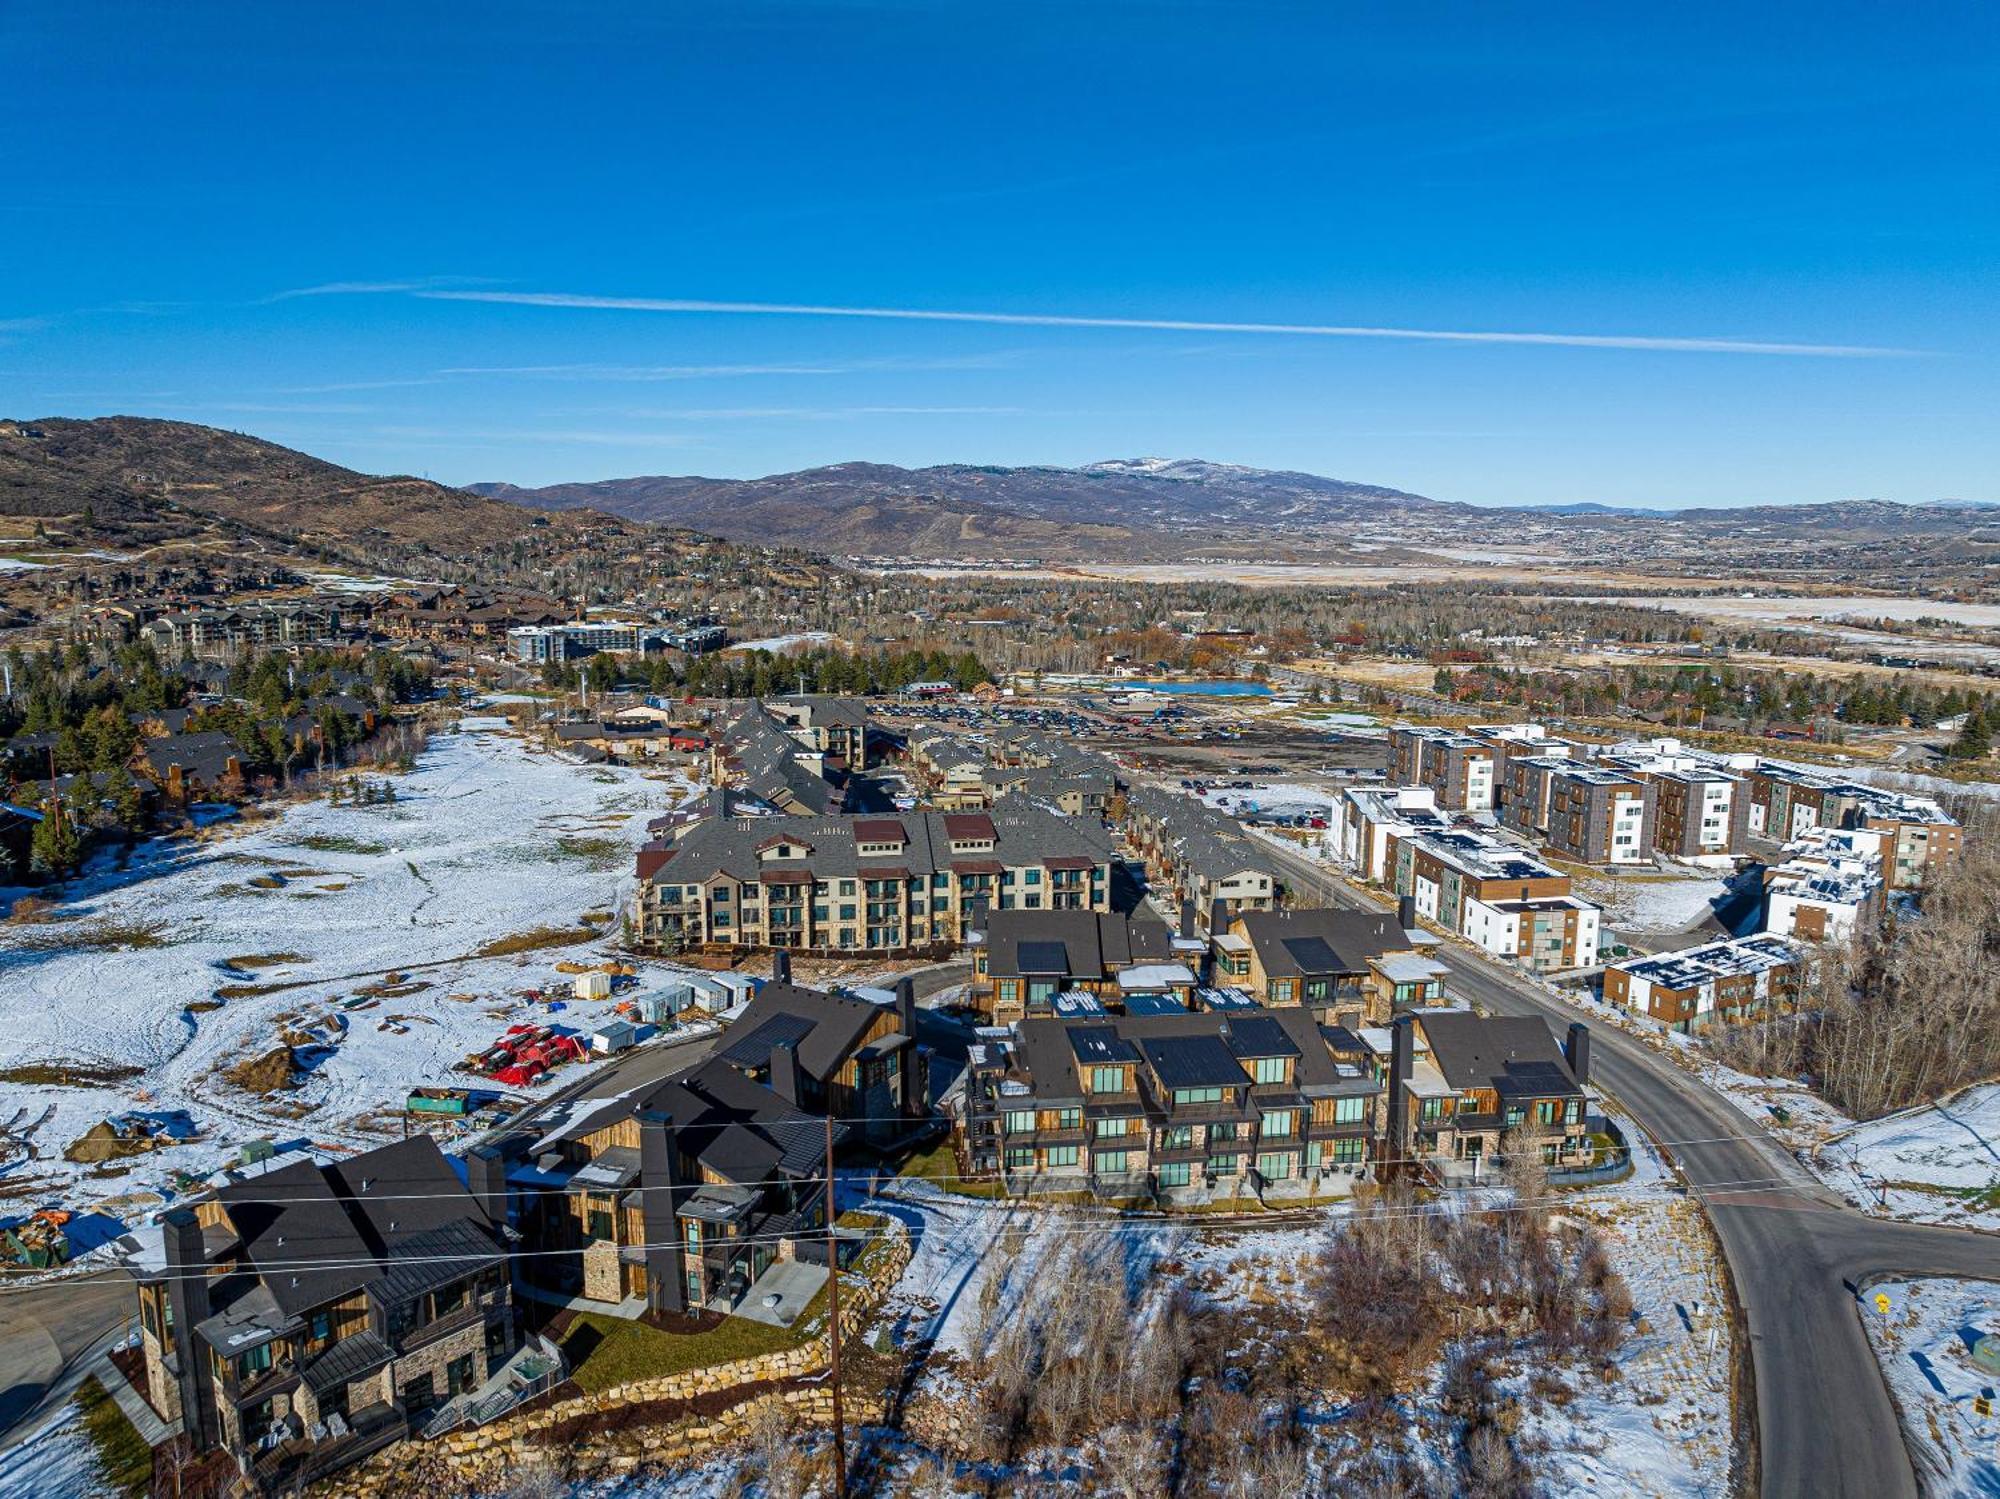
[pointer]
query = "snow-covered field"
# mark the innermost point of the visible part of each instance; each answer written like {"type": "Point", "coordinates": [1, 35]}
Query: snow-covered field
{"type": "Point", "coordinates": [58, 1459]}
{"type": "Point", "coordinates": [1653, 902]}
{"type": "Point", "coordinates": [1941, 1163]}
{"type": "Point", "coordinates": [1271, 799]}
{"type": "Point", "coordinates": [1925, 1344]}
{"type": "Point", "coordinates": [260, 927]}
{"type": "Point", "coordinates": [800, 641]}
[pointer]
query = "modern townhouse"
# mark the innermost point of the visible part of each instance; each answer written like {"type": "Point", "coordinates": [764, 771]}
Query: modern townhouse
{"type": "Point", "coordinates": [1458, 767]}
{"type": "Point", "coordinates": [1828, 886]}
{"type": "Point", "coordinates": [1505, 900]}
{"type": "Point", "coordinates": [1081, 786]}
{"type": "Point", "coordinates": [1366, 822]}
{"type": "Point", "coordinates": [1460, 1083]}
{"type": "Point", "coordinates": [1695, 987]}
{"type": "Point", "coordinates": [1702, 814]}
{"type": "Point", "coordinates": [909, 883]}
{"type": "Point", "coordinates": [1349, 968]}
{"type": "Point", "coordinates": [1526, 791]}
{"type": "Point", "coordinates": [1195, 853]}
{"type": "Point", "coordinates": [1022, 961]}
{"type": "Point", "coordinates": [1599, 816]}
{"type": "Point", "coordinates": [306, 1316]}
{"type": "Point", "coordinates": [1156, 1105]}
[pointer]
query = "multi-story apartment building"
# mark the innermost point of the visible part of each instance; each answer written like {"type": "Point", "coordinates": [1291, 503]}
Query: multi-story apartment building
{"type": "Point", "coordinates": [902, 884]}
{"type": "Point", "coordinates": [1508, 901]}
{"type": "Point", "coordinates": [1787, 801]}
{"type": "Point", "coordinates": [1196, 854]}
{"type": "Point", "coordinates": [1022, 960]}
{"type": "Point", "coordinates": [307, 1316]}
{"type": "Point", "coordinates": [227, 633]}
{"type": "Point", "coordinates": [1158, 1104]}
{"type": "Point", "coordinates": [1459, 1083]}
{"type": "Point", "coordinates": [1600, 817]}
{"type": "Point", "coordinates": [1458, 767]}
{"type": "Point", "coordinates": [1701, 814]}
{"type": "Point", "coordinates": [1366, 823]}
{"type": "Point", "coordinates": [1525, 792]}
{"type": "Point", "coordinates": [1349, 968]}
{"type": "Point", "coordinates": [1828, 886]}
{"type": "Point", "coordinates": [1693, 988]}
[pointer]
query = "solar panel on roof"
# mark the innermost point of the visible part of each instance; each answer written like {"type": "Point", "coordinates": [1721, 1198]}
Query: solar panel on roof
{"type": "Point", "coordinates": [1312, 954]}
{"type": "Point", "coordinates": [1042, 957]}
{"type": "Point", "coordinates": [755, 1048]}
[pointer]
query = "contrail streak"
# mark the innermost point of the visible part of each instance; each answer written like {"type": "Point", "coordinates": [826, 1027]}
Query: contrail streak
{"type": "Point", "coordinates": [1168, 325]}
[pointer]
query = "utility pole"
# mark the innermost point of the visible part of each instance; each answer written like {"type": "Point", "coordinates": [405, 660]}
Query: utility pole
{"type": "Point", "coordinates": [833, 1320]}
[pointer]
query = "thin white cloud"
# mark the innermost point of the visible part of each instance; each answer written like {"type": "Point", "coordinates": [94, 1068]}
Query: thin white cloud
{"type": "Point", "coordinates": [1169, 325]}
{"type": "Point", "coordinates": [415, 284]}
{"type": "Point", "coordinates": [642, 373]}
{"type": "Point", "coordinates": [814, 413]}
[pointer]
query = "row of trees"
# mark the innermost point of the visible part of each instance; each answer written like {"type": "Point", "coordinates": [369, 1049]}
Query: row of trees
{"type": "Point", "coordinates": [1907, 1015]}
{"type": "Point", "coordinates": [746, 674]}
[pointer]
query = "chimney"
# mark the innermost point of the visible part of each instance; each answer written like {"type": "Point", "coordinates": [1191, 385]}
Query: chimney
{"type": "Point", "coordinates": [785, 1071]}
{"type": "Point", "coordinates": [187, 1299]}
{"type": "Point", "coordinates": [1576, 1051]}
{"type": "Point", "coordinates": [914, 1069]}
{"type": "Point", "coordinates": [1187, 917]}
{"type": "Point", "coordinates": [1218, 917]}
{"type": "Point", "coordinates": [486, 1178]}
{"type": "Point", "coordinates": [1402, 1058]}
{"type": "Point", "coordinates": [1406, 912]}
{"type": "Point", "coordinates": [659, 1175]}
{"type": "Point", "coordinates": [781, 967]}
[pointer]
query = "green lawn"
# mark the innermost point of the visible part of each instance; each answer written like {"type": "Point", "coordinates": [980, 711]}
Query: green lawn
{"type": "Point", "coordinates": [939, 1166]}
{"type": "Point", "coordinates": [605, 1352]}
{"type": "Point", "coordinates": [122, 1453]}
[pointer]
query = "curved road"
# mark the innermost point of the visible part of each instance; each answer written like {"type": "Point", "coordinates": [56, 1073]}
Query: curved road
{"type": "Point", "coordinates": [1797, 1253]}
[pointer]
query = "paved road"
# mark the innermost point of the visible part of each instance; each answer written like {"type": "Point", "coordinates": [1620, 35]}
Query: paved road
{"type": "Point", "coordinates": [1797, 1253]}
{"type": "Point", "coordinates": [48, 1332]}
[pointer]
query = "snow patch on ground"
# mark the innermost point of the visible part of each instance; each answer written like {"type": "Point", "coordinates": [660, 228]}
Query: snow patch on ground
{"type": "Point", "coordinates": [1940, 1164]}
{"type": "Point", "coordinates": [489, 837]}
{"type": "Point", "coordinates": [1925, 1348]}
{"type": "Point", "coordinates": [58, 1459]}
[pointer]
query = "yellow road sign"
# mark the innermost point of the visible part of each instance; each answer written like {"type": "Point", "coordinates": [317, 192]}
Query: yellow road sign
{"type": "Point", "coordinates": [1882, 1302]}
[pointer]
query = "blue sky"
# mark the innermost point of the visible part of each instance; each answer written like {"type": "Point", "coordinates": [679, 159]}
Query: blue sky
{"type": "Point", "coordinates": [513, 241]}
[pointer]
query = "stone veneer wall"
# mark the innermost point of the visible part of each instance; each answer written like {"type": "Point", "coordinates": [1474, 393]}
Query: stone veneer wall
{"type": "Point", "coordinates": [489, 1453]}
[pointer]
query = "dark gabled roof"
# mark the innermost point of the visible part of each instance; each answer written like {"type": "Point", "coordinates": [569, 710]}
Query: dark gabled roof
{"type": "Point", "coordinates": [1095, 943]}
{"type": "Point", "coordinates": [880, 830]}
{"type": "Point", "coordinates": [1514, 1054]}
{"type": "Point", "coordinates": [1193, 1062]}
{"type": "Point", "coordinates": [436, 1257]}
{"type": "Point", "coordinates": [1317, 940]}
{"type": "Point", "coordinates": [400, 1191]}
{"type": "Point", "coordinates": [735, 1125]}
{"type": "Point", "coordinates": [969, 827]}
{"type": "Point", "coordinates": [834, 1026]}
{"type": "Point", "coordinates": [1260, 1036]}
{"type": "Point", "coordinates": [353, 1356]}
{"type": "Point", "coordinates": [295, 1233]}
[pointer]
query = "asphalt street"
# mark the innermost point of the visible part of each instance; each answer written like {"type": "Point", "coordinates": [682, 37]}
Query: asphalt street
{"type": "Point", "coordinates": [1798, 1255]}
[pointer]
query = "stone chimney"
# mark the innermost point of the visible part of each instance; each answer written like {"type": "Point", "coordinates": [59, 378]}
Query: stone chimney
{"type": "Point", "coordinates": [1406, 912]}
{"type": "Point", "coordinates": [187, 1298]}
{"type": "Point", "coordinates": [914, 1069]}
{"type": "Point", "coordinates": [1576, 1051]}
{"type": "Point", "coordinates": [659, 1175]}
{"type": "Point", "coordinates": [486, 1179]}
{"type": "Point", "coordinates": [1402, 1060]}
{"type": "Point", "coordinates": [781, 967]}
{"type": "Point", "coordinates": [1188, 923]}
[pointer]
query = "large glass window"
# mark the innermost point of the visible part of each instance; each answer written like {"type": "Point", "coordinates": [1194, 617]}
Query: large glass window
{"type": "Point", "coordinates": [1112, 1162]}
{"type": "Point", "coordinates": [1062, 1155]}
{"type": "Point", "coordinates": [1197, 1095]}
{"type": "Point", "coordinates": [1020, 1121]}
{"type": "Point", "coordinates": [1350, 1110]}
{"type": "Point", "coordinates": [1275, 1165]}
{"type": "Point", "coordinates": [1268, 1069]}
{"type": "Point", "coordinates": [1276, 1124]}
{"type": "Point", "coordinates": [1107, 1079]}
{"type": "Point", "coordinates": [1176, 1173]}
{"type": "Point", "coordinates": [1113, 1129]}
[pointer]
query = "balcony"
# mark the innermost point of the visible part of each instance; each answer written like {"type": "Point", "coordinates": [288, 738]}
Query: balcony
{"type": "Point", "coordinates": [297, 1459]}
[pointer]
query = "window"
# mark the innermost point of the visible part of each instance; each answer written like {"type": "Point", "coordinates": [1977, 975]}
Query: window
{"type": "Point", "coordinates": [1349, 1152]}
{"type": "Point", "coordinates": [458, 1375]}
{"type": "Point", "coordinates": [1113, 1129]}
{"type": "Point", "coordinates": [1268, 1069]}
{"type": "Point", "coordinates": [1020, 1121]}
{"type": "Point", "coordinates": [1181, 1137]}
{"type": "Point", "coordinates": [256, 1361]}
{"type": "Point", "coordinates": [1222, 1165]}
{"type": "Point", "coordinates": [1275, 1125]}
{"type": "Point", "coordinates": [1020, 1158]}
{"type": "Point", "coordinates": [1033, 877]}
{"type": "Point", "coordinates": [1548, 1110]}
{"type": "Point", "coordinates": [1107, 1079]}
{"type": "Point", "coordinates": [1197, 1095]}
{"type": "Point", "coordinates": [320, 1327]}
{"type": "Point", "coordinates": [1062, 1155]}
{"type": "Point", "coordinates": [598, 1228]}
{"type": "Point", "coordinates": [1112, 1162]}
{"type": "Point", "coordinates": [1069, 1118]}
{"type": "Point", "coordinates": [1350, 1110]}
{"type": "Point", "coordinates": [1176, 1173]}
{"type": "Point", "coordinates": [1573, 1111]}
{"type": "Point", "coordinates": [1275, 1165]}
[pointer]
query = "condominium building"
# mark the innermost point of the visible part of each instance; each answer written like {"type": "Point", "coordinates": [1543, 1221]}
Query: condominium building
{"type": "Point", "coordinates": [1196, 854]}
{"type": "Point", "coordinates": [1458, 767]}
{"type": "Point", "coordinates": [1694, 987]}
{"type": "Point", "coordinates": [1600, 817]}
{"type": "Point", "coordinates": [1459, 1083]}
{"type": "Point", "coordinates": [1828, 886]}
{"type": "Point", "coordinates": [907, 883]}
{"type": "Point", "coordinates": [1366, 823]}
{"type": "Point", "coordinates": [1506, 900]}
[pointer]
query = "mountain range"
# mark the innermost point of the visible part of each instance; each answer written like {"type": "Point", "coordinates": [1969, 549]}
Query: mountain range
{"type": "Point", "coordinates": [1151, 508]}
